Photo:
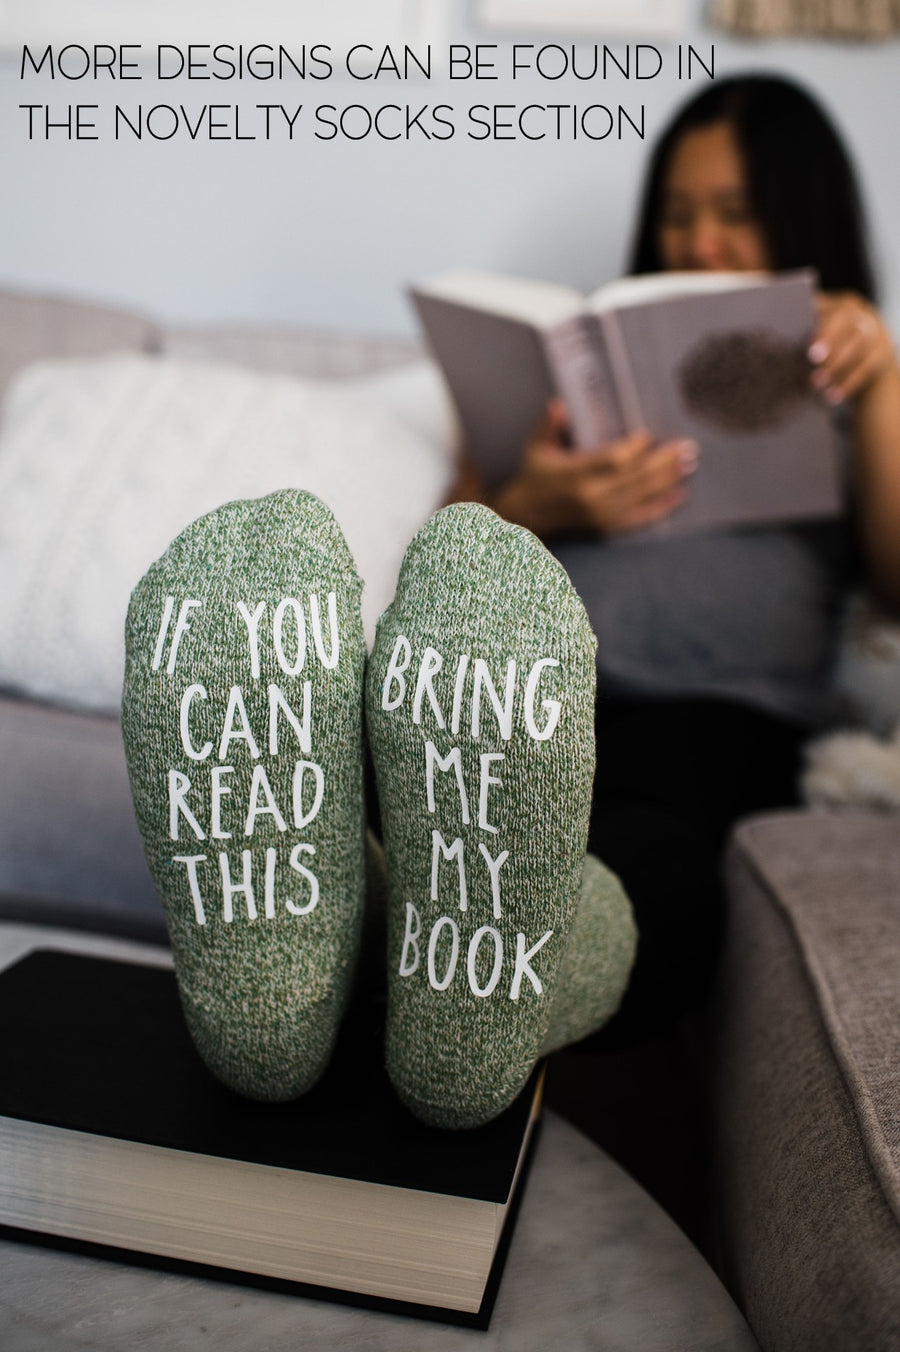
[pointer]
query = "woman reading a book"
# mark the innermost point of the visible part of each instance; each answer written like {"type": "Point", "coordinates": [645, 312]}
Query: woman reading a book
{"type": "Point", "coordinates": [714, 649]}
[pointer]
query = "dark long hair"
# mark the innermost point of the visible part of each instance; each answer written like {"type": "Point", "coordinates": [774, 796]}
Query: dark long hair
{"type": "Point", "coordinates": [800, 181]}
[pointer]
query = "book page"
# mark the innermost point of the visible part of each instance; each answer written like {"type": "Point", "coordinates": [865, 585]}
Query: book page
{"type": "Point", "coordinates": [539, 303]}
{"type": "Point", "coordinates": [657, 286]}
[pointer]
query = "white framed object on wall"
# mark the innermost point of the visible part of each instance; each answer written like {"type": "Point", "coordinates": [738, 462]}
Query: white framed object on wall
{"type": "Point", "coordinates": [657, 18]}
{"type": "Point", "coordinates": [207, 22]}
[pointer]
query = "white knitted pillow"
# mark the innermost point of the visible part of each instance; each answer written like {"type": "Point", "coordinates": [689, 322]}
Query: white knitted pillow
{"type": "Point", "coordinates": [103, 462]}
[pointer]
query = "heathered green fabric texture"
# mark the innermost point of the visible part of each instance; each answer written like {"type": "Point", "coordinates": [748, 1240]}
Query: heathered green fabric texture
{"type": "Point", "coordinates": [599, 956]}
{"type": "Point", "coordinates": [473, 586]}
{"type": "Point", "coordinates": [263, 981]}
{"type": "Point", "coordinates": [598, 959]}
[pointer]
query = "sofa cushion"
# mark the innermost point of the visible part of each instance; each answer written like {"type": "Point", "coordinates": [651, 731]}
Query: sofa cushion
{"type": "Point", "coordinates": [309, 353]}
{"type": "Point", "coordinates": [36, 328]}
{"type": "Point", "coordinates": [102, 463]}
{"type": "Point", "coordinates": [70, 851]}
{"type": "Point", "coordinates": [809, 1081]}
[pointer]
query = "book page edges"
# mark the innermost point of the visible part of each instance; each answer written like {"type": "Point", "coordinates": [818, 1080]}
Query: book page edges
{"type": "Point", "coordinates": [650, 287]}
{"type": "Point", "coordinates": [372, 1238]}
{"type": "Point", "coordinates": [537, 303]}
{"type": "Point", "coordinates": [545, 303]}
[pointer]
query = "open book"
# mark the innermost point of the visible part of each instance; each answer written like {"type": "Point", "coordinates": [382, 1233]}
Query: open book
{"type": "Point", "coordinates": [718, 357]}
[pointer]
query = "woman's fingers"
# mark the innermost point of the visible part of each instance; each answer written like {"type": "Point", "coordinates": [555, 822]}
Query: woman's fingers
{"type": "Point", "coordinates": [851, 348]}
{"type": "Point", "coordinates": [613, 488]}
{"type": "Point", "coordinates": [637, 483]}
{"type": "Point", "coordinates": [553, 428]}
{"type": "Point", "coordinates": [620, 456]}
{"type": "Point", "coordinates": [654, 509]}
{"type": "Point", "coordinates": [852, 370]}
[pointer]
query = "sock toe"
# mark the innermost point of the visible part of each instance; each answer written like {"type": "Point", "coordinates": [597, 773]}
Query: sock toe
{"type": "Point", "coordinates": [243, 734]}
{"type": "Point", "coordinates": [480, 709]}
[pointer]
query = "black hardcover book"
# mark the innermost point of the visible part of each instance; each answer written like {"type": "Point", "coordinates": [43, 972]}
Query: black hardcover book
{"type": "Point", "coordinates": [113, 1134]}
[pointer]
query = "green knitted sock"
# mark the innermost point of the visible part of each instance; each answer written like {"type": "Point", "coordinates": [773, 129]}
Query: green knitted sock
{"type": "Point", "coordinates": [242, 719]}
{"type": "Point", "coordinates": [599, 956]}
{"type": "Point", "coordinates": [480, 708]}
{"type": "Point", "coordinates": [598, 959]}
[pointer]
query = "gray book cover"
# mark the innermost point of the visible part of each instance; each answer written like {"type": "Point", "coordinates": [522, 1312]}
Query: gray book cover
{"type": "Point", "coordinates": [499, 374]}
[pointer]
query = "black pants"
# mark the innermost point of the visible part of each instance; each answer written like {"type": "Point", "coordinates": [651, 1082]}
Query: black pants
{"type": "Point", "coordinates": [672, 778]}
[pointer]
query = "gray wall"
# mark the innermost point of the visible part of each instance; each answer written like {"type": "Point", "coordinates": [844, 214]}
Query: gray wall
{"type": "Point", "coordinates": [327, 232]}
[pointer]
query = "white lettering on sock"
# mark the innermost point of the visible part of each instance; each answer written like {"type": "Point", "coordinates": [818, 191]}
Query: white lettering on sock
{"type": "Point", "coordinates": [302, 818]}
{"type": "Point", "coordinates": [310, 877]}
{"type": "Point", "coordinates": [394, 675]}
{"type": "Point", "coordinates": [409, 957]}
{"type": "Point", "coordinates": [438, 847]}
{"type": "Point", "coordinates": [183, 724]}
{"type": "Point", "coordinates": [179, 788]}
{"type": "Point", "coordinates": [454, 759]}
{"type": "Point", "coordinates": [230, 733]}
{"type": "Point", "coordinates": [302, 731]}
{"type": "Point", "coordinates": [331, 660]}
{"type": "Point", "coordinates": [230, 889]}
{"type": "Point", "coordinates": [428, 668]}
{"type": "Point", "coordinates": [551, 707]}
{"type": "Point", "coordinates": [269, 882]}
{"type": "Point", "coordinates": [523, 967]}
{"type": "Point", "coordinates": [252, 623]}
{"type": "Point", "coordinates": [219, 791]}
{"type": "Point", "coordinates": [192, 860]}
{"type": "Point", "coordinates": [259, 784]}
{"type": "Point", "coordinates": [163, 630]}
{"type": "Point", "coordinates": [472, 959]}
{"type": "Point", "coordinates": [458, 687]}
{"type": "Point", "coordinates": [181, 627]}
{"type": "Point", "coordinates": [481, 679]}
{"type": "Point", "coordinates": [494, 867]}
{"type": "Point", "coordinates": [484, 783]}
{"type": "Point", "coordinates": [450, 971]}
{"type": "Point", "coordinates": [290, 668]}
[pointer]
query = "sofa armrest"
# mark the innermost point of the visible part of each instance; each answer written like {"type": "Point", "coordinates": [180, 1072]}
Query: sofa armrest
{"type": "Point", "coordinates": [808, 1082]}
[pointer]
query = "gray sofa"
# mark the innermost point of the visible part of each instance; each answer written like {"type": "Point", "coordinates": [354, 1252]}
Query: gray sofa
{"type": "Point", "coordinates": [807, 1017]}
{"type": "Point", "coordinates": [807, 1081]}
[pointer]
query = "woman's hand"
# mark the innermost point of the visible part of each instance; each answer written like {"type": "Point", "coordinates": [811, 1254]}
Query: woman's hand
{"type": "Point", "coordinates": [852, 348]}
{"type": "Point", "coordinates": [627, 483]}
{"type": "Point", "coordinates": [855, 362]}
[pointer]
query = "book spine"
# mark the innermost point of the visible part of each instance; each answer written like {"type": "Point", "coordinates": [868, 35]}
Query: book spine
{"type": "Point", "coordinates": [579, 362]}
{"type": "Point", "coordinates": [623, 376]}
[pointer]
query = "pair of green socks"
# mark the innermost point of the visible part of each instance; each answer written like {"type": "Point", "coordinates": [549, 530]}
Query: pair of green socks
{"type": "Point", "coordinates": [246, 677]}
